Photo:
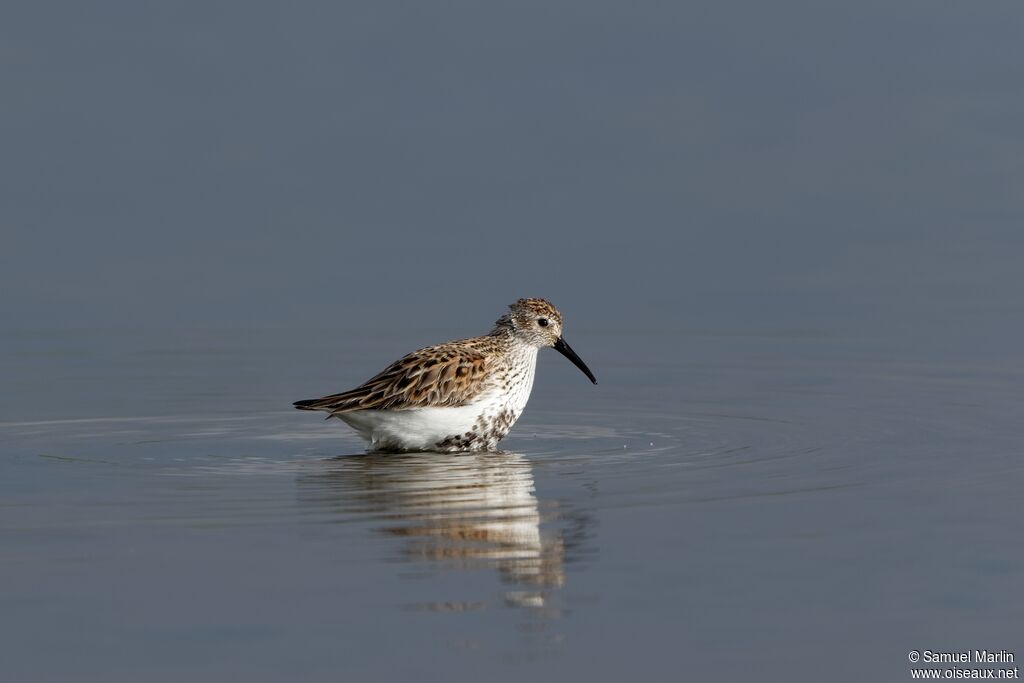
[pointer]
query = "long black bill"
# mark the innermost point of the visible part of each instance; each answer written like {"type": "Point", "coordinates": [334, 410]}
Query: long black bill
{"type": "Point", "coordinates": [567, 351]}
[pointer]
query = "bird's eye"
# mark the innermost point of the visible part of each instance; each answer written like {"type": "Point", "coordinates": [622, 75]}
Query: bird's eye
{"type": "Point", "coordinates": [543, 322]}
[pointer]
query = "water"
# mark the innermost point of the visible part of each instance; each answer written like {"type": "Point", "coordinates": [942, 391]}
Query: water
{"type": "Point", "coordinates": [788, 506]}
{"type": "Point", "coordinates": [785, 236]}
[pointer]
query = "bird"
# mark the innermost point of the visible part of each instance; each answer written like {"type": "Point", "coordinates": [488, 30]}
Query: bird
{"type": "Point", "coordinates": [460, 396]}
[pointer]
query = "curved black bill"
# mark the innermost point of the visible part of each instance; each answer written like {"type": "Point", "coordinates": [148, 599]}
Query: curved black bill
{"type": "Point", "coordinates": [567, 351]}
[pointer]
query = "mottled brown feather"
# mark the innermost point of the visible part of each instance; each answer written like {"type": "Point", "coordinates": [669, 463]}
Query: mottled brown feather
{"type": "Point", "coordinates": [451, 374]}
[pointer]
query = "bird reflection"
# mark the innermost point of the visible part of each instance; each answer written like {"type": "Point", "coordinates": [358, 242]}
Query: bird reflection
{"type": "Point", "coordinates": [459, 512]}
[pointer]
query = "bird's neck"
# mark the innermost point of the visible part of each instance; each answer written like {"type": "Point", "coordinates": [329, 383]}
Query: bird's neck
{"type": "Point", "coordinates": [512, 343]}
{"type": "Point", "coordinates": [503, 327]}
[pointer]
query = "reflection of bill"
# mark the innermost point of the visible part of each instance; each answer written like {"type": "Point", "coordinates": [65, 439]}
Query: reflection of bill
{"type": "Point", "coordinates": [462, 511]}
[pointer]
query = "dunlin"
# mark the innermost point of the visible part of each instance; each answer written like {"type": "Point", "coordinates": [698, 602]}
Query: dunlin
{"type": "Point", "coordinates": [463, 395]}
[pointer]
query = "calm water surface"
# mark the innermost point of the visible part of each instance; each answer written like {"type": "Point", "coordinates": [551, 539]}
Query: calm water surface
{"type": "Point", "coordinates": [785, 506]}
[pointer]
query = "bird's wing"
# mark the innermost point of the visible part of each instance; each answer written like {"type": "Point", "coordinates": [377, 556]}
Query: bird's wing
{"type": "Point", "coordinates": [444, 375]}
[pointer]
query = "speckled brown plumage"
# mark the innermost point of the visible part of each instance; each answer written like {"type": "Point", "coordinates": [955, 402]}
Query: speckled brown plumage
{"type": "Point", "coordinates": [449, 374]}
{"type": "Point", "coordinates": [491, 376]}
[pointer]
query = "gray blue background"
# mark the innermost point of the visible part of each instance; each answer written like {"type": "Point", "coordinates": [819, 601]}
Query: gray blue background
{"type": "Point", "coordinates": [768, 164]}
{"type": "Point", "coordinates": [785, 236]}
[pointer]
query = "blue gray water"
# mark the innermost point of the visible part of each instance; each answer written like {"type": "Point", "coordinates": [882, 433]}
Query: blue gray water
{"type": "Point", "coordinates": [792, 504]}
{"type": "Point", "coordinates": [785, 236]}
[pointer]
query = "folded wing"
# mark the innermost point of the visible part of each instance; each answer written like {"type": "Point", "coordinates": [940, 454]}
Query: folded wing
{"type": "Point", "coordinates": [432, 377]}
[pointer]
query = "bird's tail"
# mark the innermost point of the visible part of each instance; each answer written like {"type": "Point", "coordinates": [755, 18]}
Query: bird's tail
{"type": "Point", "coordinates": [310, 404]}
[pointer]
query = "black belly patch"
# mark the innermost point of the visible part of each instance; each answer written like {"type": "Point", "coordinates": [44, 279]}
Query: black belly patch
{"type": "Point", "coordinates": [498, 426]}
{"type": "Point", "coordinates": [485, 435]}
{"type": "Point", "coordinates": [469, 441]}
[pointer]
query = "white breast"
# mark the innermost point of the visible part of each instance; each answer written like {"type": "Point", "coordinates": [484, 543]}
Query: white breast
{"type": "Point", "coordinates": [524, 366]}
